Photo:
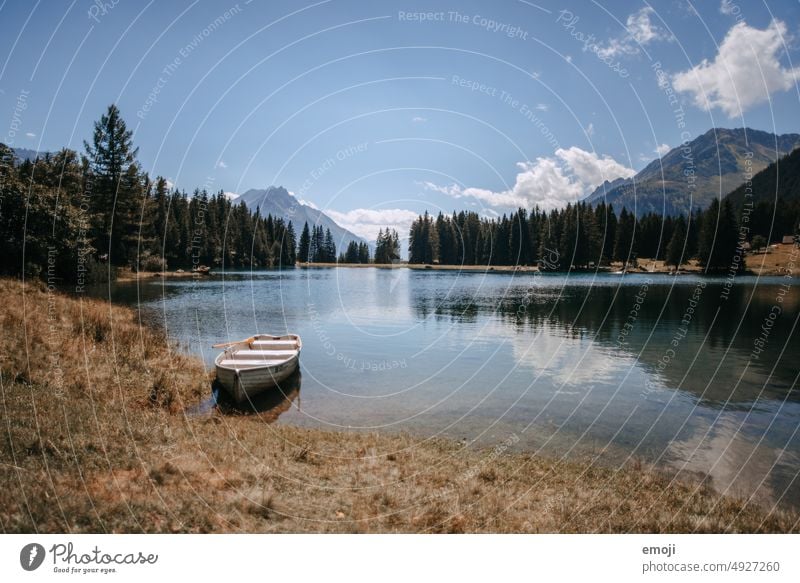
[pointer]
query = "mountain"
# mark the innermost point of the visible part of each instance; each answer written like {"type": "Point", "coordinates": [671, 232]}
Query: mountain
{"type": "Point", "coordinates": [277, 201]}
{"type": "Point", "coordinates": [718, 162]}
{"type": "Point", "coordinates": [23, 154]}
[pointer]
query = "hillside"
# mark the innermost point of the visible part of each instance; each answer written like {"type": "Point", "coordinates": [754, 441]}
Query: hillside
{"type": "Point", "coordinates": [277, 201]}
{"type": "Point", "coordinates": [718, 160]}
{"type": "Point", "coordinates": [779, 180]}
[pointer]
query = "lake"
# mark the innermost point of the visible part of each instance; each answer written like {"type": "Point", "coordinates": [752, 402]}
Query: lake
{"type": "Point", "coordinates": [688, 373]}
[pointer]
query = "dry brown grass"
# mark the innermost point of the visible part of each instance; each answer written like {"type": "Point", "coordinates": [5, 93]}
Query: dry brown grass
{"type": "Point", "coordinates": [94, 441]}
{"type": "Point", "coordinates": [781, 260]}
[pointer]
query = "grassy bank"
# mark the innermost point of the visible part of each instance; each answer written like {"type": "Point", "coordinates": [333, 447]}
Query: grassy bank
{"type": "Point", "coordinates": [95, 440]}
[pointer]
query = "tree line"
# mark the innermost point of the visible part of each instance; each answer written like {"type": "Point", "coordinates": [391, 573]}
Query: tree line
{"type": "Point", "coordinates": [583, 236]}
{"type": "Point", "coordinates": [79, 217]}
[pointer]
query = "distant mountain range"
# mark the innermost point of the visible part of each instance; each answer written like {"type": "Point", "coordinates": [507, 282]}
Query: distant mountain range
{"type": "Point", "coordinates": [23, 154]}
{"type": "Point", "coordinates": [718, 161]}
{"type": "Point", "coordinates": [277, 201]}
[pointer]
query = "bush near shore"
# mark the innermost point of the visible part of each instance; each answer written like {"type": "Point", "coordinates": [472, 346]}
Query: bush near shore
{"type": "Point", "coordinates": [95, 440]}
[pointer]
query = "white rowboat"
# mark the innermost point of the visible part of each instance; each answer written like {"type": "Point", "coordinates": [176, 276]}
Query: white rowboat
{"type": "Point", "coordinates": [249, 367]}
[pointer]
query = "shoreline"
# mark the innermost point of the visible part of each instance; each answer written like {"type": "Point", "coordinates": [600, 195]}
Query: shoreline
{"type": "Point", "coordinates": [780, 260]}
{"type": "Point", "coordinates": [97, 420]}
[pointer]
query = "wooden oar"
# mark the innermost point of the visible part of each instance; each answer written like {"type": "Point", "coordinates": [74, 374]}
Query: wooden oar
{"type": "Point", "coordinates": [224, 344]}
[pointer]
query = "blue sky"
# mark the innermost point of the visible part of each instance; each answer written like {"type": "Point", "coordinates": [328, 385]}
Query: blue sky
{"type": "Point", "coordinates": [374, 111]}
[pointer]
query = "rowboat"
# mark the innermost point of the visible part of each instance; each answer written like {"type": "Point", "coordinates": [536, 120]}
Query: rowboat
{"type": "Point", "coordinates": [253, 365]}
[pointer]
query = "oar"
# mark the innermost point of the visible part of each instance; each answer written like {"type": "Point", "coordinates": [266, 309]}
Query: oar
{"type": "Point", "coordinates": [224, 344]}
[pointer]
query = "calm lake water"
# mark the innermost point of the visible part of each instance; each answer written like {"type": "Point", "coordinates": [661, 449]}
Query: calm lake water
{"type": "Point", "coordinates": [682, 371]}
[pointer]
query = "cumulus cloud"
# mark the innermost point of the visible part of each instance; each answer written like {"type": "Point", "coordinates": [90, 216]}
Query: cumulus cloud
{"type": "Point", "coordinates": [367, 222]}
{"type": "Point", "coordinates": [222, 164]}
{"type": "Point", "coordinates": [548, 182]}
{"type": "Point", "coordinates": [639, 31]}
{"type": "Point", "coordinates": [662, 149]}
{"type": "Point", "coordinates": [419, 119]}
{"type": "Point", "coordinates": [745, 72]}
{"type": "Point", "coordinates": [30, 134]}
{"type": "Point", "coordinates": [590, 169]}
{"type": "Point", "coordinates": [542, 107]}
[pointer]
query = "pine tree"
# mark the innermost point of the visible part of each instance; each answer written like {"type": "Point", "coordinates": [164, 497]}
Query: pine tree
{"type": "Point", "coordinates": [363, 253]}
{"type": "Point", "coordinates": [303, 250]}
{"type": "Point", "coordinates": [111, 155]}
{"type": "Point", "coordinates": [624, 237]}
{"type": "Point", "coordinates": [351, 254]}
{"type": "Point", "coordinates": [718, 240]}
{"type": "Point", "coordinates": [329, 247]}
{"type": "Point", "coordinates": [387, 246]}
{"type": "Point", "coordinates": [675, 254]}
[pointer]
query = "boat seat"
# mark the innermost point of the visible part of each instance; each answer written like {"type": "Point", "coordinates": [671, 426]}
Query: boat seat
{"type": "Point", "coordinates": [250, 363]}
{"type": "Point", "coordinates": [263, 353]}
{"type": "Point", "coordinates": [274, 344]}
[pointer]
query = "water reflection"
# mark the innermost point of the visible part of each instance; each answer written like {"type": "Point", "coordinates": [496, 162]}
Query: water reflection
{"type": "Point", "coordinates": [710, 356]}
{"type": "Point", "coordinates": [267, 406]}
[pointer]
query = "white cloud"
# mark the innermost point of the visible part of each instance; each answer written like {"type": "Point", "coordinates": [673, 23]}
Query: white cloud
{"type": "Point", "coordinates": [548, 182]}
{"type": "Point", "coordinates": [308, 203]}
{"type": "Point", "coordinates": [745, 72]}
{"type": "Point", "coordinates": [367, 222]}
{"type": "Point", "coordinates": [728, 8]}
{"type": "Point", "coordinates": [222, 164]}
{"type": "Point", "coordinates": [639, 32]}
{"type": "Point", "coordinates": [542, 106]}
{"type": "Point", "coordinates": [418, 119]}
{"type": "Point", "coordinates": [592, 170]}
{"type": "Point", "coordinates": [590, 130]}
{"type": "Point", "coordinates": [230, 195]}
{"type": "Point", "coordinates": [662, 149]}
{"type": "Point", "coordinates": [170, 184]}
{"type": "Point", "coordinates": [30, 134]}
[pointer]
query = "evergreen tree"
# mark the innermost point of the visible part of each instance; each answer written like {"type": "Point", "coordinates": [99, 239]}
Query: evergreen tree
{"type": "Point", "coordinates": [623, 243]}
{"type": "Point", "coordinates": [676, 249]}
{"type": "Point", "coordinates": [351, 254]}
{"type": "Point", "coordinates": [303, 251]}
{"type": "Point", "coordinates": [387, 247]}
{"type": "Point", "coordinates": [719, 237]}
{"type": "Point", "coordinates": [330, 247]}
{"type": "Point", "coordinates": [111, 156]}
{"type": "Point", "coordinates": [363, 253]}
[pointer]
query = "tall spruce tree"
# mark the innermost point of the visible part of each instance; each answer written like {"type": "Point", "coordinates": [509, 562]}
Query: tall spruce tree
{"type": "Point", "coordinates": [675, 254]}
{"type": "Point", "coordinates": [111, 156]}
{"type": "Point", "coordinates": [304, 248]}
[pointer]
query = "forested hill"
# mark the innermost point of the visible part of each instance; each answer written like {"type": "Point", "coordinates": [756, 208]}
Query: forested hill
{"type": "Point", "coordinates": [778, 181]}
{"type": "Point", "coordinates": [689, 177]}
{"type": "Point", "coordinates": [76, 217]}
{"type": "Point", "coordinates": [774, 194]}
